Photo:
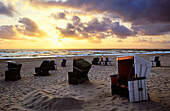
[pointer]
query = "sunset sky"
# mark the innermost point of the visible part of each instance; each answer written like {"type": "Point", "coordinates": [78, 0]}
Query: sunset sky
{"type": "Point", "coordinates": [74, 24]}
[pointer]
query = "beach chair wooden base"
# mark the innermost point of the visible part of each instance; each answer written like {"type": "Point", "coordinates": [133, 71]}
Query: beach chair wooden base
{"type": "Point", "coordinates": [95, 63]}
{"type": "Point", "coordinates": [102, 63]}
{"type": "Point", "coordinates": [117, 89]}
{"type": "Point", "coordinates": [138, 90]}
{"type": "Point", "coordinates": [40, 72]}
{"type": "Point", "coordinates": [12, 74]}
{"type": "Point", "coordinates": [63, 64]}
{"type": "Point", "coordinates": [52, 68]}
{"type": "Point", "coordinates": [158, 64]}
{"type": "Point", "coordinates": [108, 63]}
{"type": "Point", "coordinates": [75, 79]}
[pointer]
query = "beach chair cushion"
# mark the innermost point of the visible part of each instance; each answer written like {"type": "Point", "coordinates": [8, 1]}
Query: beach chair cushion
{"type": "Point", "coordinates": [125, 69]}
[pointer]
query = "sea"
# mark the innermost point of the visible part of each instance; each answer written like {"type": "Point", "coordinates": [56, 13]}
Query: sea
{"type": "Point", "coordinates": [41, 53]}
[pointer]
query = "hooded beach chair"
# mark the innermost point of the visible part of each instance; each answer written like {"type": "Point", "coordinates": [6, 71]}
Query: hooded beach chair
{"type": "Point", "coordinates": [95, 61]}
{"type": "Point", "coordinates": [155, 61]}
{"type": "Point", "coordinates": [63, 63]}
{"type": "Point", "coordinates": [80, 71]}
{"type": "Point", "coordinates": [44, 68]}
{"type": "Point", "coordinates": [131, 80]}
{"type": "Point", "coordinates": [13, 71]}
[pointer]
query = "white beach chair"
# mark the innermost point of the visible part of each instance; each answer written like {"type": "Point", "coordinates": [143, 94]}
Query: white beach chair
{"type": "Point", "coordinates": [155, 61]}
{"type": "Point", "coordinates": [131, 80]}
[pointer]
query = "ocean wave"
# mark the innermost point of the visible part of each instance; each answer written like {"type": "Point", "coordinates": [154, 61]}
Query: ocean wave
{"type": "Point", "coordinates": [39, 53]}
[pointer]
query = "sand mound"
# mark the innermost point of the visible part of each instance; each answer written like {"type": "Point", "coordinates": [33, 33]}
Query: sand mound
{"type": "Point", "coordinates": [40, 100]}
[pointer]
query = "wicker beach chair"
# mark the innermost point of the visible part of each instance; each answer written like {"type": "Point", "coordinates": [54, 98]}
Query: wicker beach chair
{"type": "Point", "coordinates": [80, 71]}
{"type": "Point", "coordinates": [131, 80]}
{"type": "Point", "coordinates": [13, 71]}
{"type": "Point", "coordinates": [44, 68]}
{"type": "Point", "coordinates": [63, 63]}
{"type": "Point", "coordinates": [95, 61]}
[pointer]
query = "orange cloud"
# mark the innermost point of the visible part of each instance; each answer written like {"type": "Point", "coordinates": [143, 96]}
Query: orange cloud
{"type": "Point", "coordinates": [29, 28]}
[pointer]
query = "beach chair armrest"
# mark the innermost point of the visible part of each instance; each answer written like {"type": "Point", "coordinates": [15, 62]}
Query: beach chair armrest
{"type": "Point", "coordinates": [138, 78]}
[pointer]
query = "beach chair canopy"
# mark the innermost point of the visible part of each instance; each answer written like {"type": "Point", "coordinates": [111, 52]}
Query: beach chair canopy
{"type": "Point", "coordinates": [81, 64]}
{"type": "Point", "coordinates": [13, 64]}
{"type": "Point", "coordinates": [132, 66]}
{"type": "Point", "coordinates": [45, 63]}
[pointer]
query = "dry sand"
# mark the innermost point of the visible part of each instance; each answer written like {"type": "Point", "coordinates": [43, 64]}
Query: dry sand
{"type": "Point", "coordinates": [53, 93]}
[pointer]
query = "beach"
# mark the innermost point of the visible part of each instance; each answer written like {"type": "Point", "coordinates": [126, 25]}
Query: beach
{"type": "Point", "coordinates": [54, 93]}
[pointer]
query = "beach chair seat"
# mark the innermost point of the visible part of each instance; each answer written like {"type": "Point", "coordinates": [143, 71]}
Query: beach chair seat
{"type": "Point", "coordinates": [80, 71]}
{"type": "Point", "coordinates": [131, 69]}
{"type": "Point", "coordinates": [63, 63]}
{"type": "Point", "coordinates": [13, 71]}
{"type": "Point", "coordinates": [44, 68]}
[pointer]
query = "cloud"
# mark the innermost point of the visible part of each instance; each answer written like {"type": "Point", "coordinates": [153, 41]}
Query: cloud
{"type": "Point", "coordinates": [152, 29]}
{"type": "Point", "coordinates": [7, 32]}
{"type": "Point", "coordinates": [135, 11]}
{"type": "Point", "coordinates": [162, 41]}
{"type": "Point", "coordinates": [148, 17]}
{"type": "Point", "coordinates": [94, 30]}
{"type": "Point", "coordinates": [29, 28]}
{"type": "Point", "coordinates": [58, 16]}
{"type": "Point", "coordinates": [7, 10]}
{"type": "Point", "coordinates": [121, 30]}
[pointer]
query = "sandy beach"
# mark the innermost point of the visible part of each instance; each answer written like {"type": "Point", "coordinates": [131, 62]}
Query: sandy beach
{"type": "Point", "coordinates": [53, 93]}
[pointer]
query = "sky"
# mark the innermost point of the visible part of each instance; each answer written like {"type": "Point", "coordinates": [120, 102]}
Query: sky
{"type": "Point", "coordinates": [84, 24]}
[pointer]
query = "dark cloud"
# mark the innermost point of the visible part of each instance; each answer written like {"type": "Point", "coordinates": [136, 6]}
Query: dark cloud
{"type": "Point", "coordinates": [94, 30]}
{"type": "Point", "coordinates": [148, 17]}
{"type": "Point", "coordinates": [152, 29]}
{"type": "Point", "coordinates": [29, 28]}
{"type": "Point", "coordinates": [121, 30]}
{"type": "Point", "coordinates": [58, 16]}
{"type": "Point", "coordinates": [135, 11]}
{"type": "Point", "coordinates": [7, 10]}
{"type": "Point", "coordinates": [7, 32]}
